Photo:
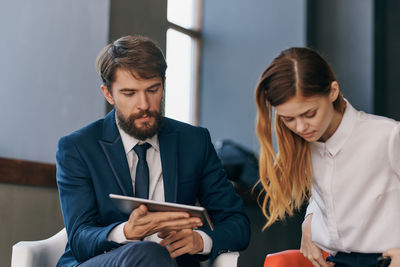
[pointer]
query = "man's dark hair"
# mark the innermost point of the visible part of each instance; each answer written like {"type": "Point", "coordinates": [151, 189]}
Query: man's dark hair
{"type": "Point", "coordinates": [137, 54]}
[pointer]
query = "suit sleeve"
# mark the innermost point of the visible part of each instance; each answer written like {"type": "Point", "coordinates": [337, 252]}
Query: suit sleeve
{"type": "Point", "coordinates": [225, 207]}
{"type": "Point", "coordinates": [86, 237]}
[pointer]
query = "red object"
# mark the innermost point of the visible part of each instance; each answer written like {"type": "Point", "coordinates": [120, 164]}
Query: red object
{"type": "Point", "coordinates": [288, 258]}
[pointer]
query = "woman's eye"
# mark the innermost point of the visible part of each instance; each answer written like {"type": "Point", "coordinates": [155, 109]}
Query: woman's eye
{"type": "Point", "coordinates": [310, 114]}
{"type": "Point", "coordinates": [287, 119]}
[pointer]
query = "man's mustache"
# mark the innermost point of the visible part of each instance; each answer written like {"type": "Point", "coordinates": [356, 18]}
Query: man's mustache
{"type": "Point", "coordinates": [141, 114]}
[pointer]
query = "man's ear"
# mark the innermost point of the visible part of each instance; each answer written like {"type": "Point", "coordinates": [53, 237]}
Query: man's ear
{"type": "Point", "coordinates": [107, 94]}
{"type": "Point", "coordinates": [334, 93]}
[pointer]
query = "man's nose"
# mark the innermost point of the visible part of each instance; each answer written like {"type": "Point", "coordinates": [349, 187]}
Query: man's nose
{"type": "Point", "coordinates": [143, 102]}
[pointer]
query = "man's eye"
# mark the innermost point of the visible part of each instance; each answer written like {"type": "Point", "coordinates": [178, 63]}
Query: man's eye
{"type": "Point", "coordinates": [128, 93]}
{"type": "Point", "coordinates": [153, 91]}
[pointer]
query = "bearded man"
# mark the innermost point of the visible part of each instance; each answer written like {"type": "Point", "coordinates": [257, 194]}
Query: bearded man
{"type": "Point", "coordinates": [136, 151]}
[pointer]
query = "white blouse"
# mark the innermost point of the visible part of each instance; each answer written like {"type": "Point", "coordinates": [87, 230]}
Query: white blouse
{"type": "Point", "coordinates": [356, 185]}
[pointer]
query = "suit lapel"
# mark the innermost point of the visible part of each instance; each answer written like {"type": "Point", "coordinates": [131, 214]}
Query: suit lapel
{"type": "Point", "coordinates": [168, 140]}
{"type": "Point", "coordinates": [115, 154]}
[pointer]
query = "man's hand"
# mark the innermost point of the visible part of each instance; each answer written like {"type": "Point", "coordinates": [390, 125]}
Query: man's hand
{"type": "Point", "coordinates": [394, 254]}
{"type": "Point", "coordinates": [182, 242]}
{"type": "Point", "coordinates": [309, 249]}
{"type": "Point", "coordinates": [143, 223]}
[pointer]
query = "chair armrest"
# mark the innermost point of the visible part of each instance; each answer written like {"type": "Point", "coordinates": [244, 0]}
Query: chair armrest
{"type": "Point", "coordinates": [228, 259]}
{"type": "Point", "coordinates": [44, 253]}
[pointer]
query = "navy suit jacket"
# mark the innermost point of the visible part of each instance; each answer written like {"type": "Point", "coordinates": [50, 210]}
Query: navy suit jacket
{"type": "Point", "coordinates": [91, 164]}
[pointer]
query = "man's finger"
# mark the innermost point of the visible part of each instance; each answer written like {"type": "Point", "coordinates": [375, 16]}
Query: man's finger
{"type": "Point", "coordinates": [160, 218]}
{"type": "Point", "coordinates": [177, 244]}
{"type": "Point", "coordinates": [140, 211]}
{"type": "Point", "coordinates": [189, 223]}
{"type": "Point", "coordinates": [177, 236]}
{"type": "Point", "coordinates": [169, 239]}
{"type": "Point", "coordinates": [168, 216]}
{"type": "Point", "coordinates": [164, 234]}
{"type": "Point", "coordinates": [178, 248]}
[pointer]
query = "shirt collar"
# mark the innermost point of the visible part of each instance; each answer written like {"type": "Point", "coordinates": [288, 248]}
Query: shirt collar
{"type": "Point", "coordinates": [342, 133]}
{"type": "Point", "coordinates": [129, 141]}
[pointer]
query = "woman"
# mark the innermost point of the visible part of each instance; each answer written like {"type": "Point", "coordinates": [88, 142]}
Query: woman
{"type": "Point", "coordinates": [348, 160]}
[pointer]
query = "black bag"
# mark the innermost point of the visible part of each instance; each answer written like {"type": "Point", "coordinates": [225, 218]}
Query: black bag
{"type": "Point", "coordinates": [240, 164]}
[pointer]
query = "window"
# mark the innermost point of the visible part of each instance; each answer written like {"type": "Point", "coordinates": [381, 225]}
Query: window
{"type": "Point", "coordinates": [183, 48]}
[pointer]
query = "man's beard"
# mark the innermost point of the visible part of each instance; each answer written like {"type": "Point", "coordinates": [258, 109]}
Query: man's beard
{"type": "Point", "coordinates": [147, 130]}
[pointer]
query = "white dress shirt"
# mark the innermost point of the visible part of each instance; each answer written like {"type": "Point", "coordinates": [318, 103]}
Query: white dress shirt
{"type": "Point", "coordinates": [156, 185]}
{"type": "Point", "coordinates": [356, 186]}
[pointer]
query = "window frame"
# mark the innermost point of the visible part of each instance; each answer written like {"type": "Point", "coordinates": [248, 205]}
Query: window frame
{"type": "Point", "coordinates": [195, 34]}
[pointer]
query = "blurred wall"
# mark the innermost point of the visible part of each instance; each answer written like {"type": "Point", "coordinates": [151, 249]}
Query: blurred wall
{"type": "Point", "coordinates": [49, 88]}
{"type": "Point", "coordinates": [343, 31]}
{"type": "Point", "coordinates": [387, 56]}
{"type": "Point", "coordinates": [240, 38]}
{"type": "Point", "coordinates": [49, 82]}
{"type": "Point", "coordinates": [143, 17]}
{"type": "Point", "coordinates": [392, 56]}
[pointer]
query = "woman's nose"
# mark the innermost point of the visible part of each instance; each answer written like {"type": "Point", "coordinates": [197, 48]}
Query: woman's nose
{"type": "Point", "coordinates": [301, 126]}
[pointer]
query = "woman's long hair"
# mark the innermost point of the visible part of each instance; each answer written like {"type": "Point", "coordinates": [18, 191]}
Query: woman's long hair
{"type": "Point", "coordinates": [286, 176]}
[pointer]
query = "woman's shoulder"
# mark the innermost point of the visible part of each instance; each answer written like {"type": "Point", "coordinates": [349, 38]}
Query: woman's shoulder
{"type": "Point", "coordinates": [375, 123]}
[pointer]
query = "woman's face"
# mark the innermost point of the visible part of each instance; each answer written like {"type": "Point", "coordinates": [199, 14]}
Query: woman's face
{"type": "Point", "coordinates": [312, 118]}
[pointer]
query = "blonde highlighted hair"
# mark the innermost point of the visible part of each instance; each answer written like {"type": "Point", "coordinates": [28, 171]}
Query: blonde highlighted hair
{"type": "Point", "coordinates": [286, 176]}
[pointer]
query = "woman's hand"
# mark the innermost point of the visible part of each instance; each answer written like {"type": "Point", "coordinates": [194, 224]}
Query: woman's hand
{"type": "Point", "coordinates": [309, 249]}
{"type": "Point", "coordinates": [394, 254]}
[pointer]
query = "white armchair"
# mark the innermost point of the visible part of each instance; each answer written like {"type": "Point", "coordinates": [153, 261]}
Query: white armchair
{"type": "Point", "coordinates": [45, 253]}
{"type": "Point", "coordinates": [39, 253]}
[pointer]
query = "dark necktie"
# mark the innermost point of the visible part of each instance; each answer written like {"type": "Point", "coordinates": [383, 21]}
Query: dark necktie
{"type": "Point", "coordinates": [142, 172]}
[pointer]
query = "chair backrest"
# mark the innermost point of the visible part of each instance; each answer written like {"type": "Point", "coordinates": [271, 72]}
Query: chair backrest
{"type": "Point", "coordinates": [288, 258]}
{"type": "Point", "coordinates": [41, 253]}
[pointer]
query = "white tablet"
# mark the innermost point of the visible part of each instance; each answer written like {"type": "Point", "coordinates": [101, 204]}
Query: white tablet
{"type": "Point", "coordinates": [128, 204]}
